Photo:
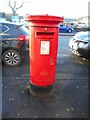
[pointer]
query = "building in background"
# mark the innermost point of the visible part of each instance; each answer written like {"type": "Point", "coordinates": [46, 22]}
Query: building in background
{"type": "Point", "coordinates": [71, 22]}
{"type": "Point", "coordinates": [2, 16]}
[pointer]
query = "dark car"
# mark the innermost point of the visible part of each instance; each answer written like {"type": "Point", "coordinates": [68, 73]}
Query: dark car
{"type": "Point", "coordinates": [80, 44]}
{"type": "Point", "coordinates": [13, 43]}
{"type": "Point", "coordinates": [64, 28]}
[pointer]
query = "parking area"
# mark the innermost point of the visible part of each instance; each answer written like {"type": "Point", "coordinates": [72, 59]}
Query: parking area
{"type": "Point", "coordinates": [70, 96]}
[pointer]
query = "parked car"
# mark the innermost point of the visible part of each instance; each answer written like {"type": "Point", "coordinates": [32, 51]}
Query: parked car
{"type": "Point", "coordinates": [80, 44]}
{"type": "Point", "coordinates": [13, 43]}
{"type": "Point", "coordinates": [83, 28]}
{"type": "Point", "coordinates": [64, 28]}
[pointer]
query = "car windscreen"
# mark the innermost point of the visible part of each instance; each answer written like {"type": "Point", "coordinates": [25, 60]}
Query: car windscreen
{"type": "Point", "coordinates": [16, 30]}
{"type": "Point", "coordinates": [23, 29]}
{"type": "Point", "coordinates": [3, 29]}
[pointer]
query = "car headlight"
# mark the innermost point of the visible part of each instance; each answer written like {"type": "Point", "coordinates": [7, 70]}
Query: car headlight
{"type": "Point", "coordinates": [81, 45]}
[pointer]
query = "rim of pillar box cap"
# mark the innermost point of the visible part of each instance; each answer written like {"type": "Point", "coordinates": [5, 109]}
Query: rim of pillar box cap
{"type": "Point", "coordinates": [43, 18]}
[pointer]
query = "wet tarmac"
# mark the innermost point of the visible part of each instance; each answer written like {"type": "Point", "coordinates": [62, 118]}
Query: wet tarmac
{"type": "Point", "coordinates": [70, 95]}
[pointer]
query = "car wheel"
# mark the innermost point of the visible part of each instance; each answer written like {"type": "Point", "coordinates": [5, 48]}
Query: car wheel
{"type": "Point", "coordinates": [12, 58]}
{"type": "Point", "coordinates": [69, 31]}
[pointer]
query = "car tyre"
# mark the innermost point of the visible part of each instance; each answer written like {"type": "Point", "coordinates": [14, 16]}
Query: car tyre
{"type": "Point", "coordinates": [11, 58]}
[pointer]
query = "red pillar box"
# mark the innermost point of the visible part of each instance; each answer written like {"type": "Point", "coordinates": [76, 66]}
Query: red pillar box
{"type": "Point", "coordinates": [43, 43]}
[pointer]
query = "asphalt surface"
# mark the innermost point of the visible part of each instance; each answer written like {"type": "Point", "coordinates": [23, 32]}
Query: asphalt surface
{"type": "Point", "coordinates": [70, 96]}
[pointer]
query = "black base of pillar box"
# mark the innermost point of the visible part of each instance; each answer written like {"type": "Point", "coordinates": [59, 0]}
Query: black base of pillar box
{"type": "Point", "coordinates": [41, 92]}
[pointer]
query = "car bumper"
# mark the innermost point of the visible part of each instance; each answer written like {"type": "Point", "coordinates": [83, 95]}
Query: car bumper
{"type": "Point", "coordinates": [84, 52]}
{"type": "Point", "coordinates": [74, 47]}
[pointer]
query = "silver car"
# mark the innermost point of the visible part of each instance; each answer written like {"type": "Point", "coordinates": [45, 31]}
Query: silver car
{"type": "Point", "coordinates": [80, 44]}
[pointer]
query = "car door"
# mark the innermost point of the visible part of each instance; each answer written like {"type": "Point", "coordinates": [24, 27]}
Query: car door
{"type": "Point", "coordinates": [0, 41]}
{"type": "Point", "coordinates": [3, 30]}
{"type": "Point", "coordinates": [63, 28]}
